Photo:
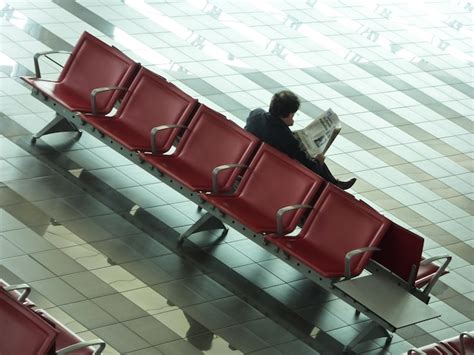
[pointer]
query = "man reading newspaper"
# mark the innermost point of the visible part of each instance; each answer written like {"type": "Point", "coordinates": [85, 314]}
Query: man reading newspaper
{"type": "Point", "coordinates": [318, 136]}
{"type": "Point", "coordinates": [273, 127]}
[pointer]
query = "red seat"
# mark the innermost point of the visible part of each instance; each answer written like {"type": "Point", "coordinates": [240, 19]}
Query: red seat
{"type": "Point", "coordinates": [151, 101]}
{"type": "Point", "coordinates": [210, 141]}
{"type": "Point", "coordinates": [431, 349]}
{"type": "Point", "coordinates": [66, 338]}
{"type": "Point", "coordinates": [401, 252]}
{"type": "Point", "coordinates": [272, 181]}
{"type": "Point", "coordinates": [92, 64]}
{"type": "Point", "coordinates": [462, 344]}
{"type": "Point", "coordinates": [337, 225]}
{"type": "Point", "coordinates": [33, 331]}
{"type": "Point", "coordinates": [23, 331]}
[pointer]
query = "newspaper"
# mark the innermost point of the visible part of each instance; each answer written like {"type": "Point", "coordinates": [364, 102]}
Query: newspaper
{"type": "Point", "coordinates": [317, 137]}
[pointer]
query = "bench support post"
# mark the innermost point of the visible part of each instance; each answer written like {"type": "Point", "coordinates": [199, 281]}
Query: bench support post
{"type": "Point", "coordinates": [58, 124]}
{"type": "Point", "coordinates": [371, 331]}
{"type": "Point", "coordinates": [205, 223]}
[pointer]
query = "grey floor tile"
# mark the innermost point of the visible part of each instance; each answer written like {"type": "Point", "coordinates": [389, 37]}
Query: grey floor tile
{"type": "Point", "coordinates": [58, 209]}
{"type": "Point", "coordinates": [121, 338]}
{"type": "Point", "coordinates": [258, 275]}
{"type": "Point", "coordinates": [87, 205]}
{"type": "Point", "coordinates": [237, 309]}
{"type": "Point", "coordinates": [30, 166]}
{"type": "Point", "coordinates": [117, 250]}
{"type": "Point", "coordinates": [152, 330]}
{"type": "Point", "coordinates": [251, 250]}
{"type": "Point", "coordinates": [147, 351]}
{"type": "Point", "coordinates": [9, 222]}
{"type": "Point", "coordinates": [57, 291]}
{"type": "Point", "coordinates": [26, 268]}
{"type": "Point", "coordinates": [57, 262]}
{"type": "Point", "coordinates": [147, 271]}
{"type": "Point", "coordinates": [7, 197]}
{"type": "Point", "coordinates": [179, 347]}
{"type": "Point", "coordinates": [269, 331]}
{"type": "Point", "coordinates": [116, 225]}
{"type": "Point", "coordinates": [282, 270]}
{"type": "Point", "coordinates": [228, 255]}
{"type": "Point", "coordinates": [27, 240]}
{"type": "Point", "coordinates": [176, 266]}
{"type": "Point", "coordinates": [43, 188]}
{"type": "Point", "coordinates": [88, 284]}
{"type": "Point", "coordinates": [119, 307]}
{"type": "Point", "coordinates": [141, 196]}
{"type": "Point", "coordinates": [28, 214]}
{"type": "Point", "coordinates": [178, 293]}
{"type": "Point", "coordinates": [8, 249]}
{"type": "Point", "coordinates": [88, 229]}
{"type": "Point", "coordinates": [298, 347]}
{"type": "Point", "coordinates": [209, 316]}
{"type": "Point", "coordinates": [242, 338]}
{"type": "Point", "coordinates": [290, 297]}
{"type": "Point", "coordinates": [88, 314]}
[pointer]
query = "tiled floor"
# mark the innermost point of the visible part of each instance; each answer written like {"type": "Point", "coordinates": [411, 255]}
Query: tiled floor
{"type": "Point", "coordinates": [95, 236]}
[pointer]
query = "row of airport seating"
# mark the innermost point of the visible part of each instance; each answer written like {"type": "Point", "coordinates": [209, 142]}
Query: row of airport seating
{"type": "Point", "coordinates": [29, 330]}
{"type": "Point", "coordinates": [244, 183]}
{"type": "Point", "coordinates": [458, 345]}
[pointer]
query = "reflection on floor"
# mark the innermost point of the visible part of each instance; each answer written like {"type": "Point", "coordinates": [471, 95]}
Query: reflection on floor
{"type": "Point", "coordinates": [95, 236]}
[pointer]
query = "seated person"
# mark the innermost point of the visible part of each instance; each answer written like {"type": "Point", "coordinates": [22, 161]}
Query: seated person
{"type": "Point", "coordinates": [273, 128]}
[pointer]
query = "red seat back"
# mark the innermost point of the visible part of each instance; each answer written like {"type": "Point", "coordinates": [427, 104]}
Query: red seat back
{"type": "Point", "coordinates": [338, 224]}
{"type": "Point", "coordinates": [212, 140]}
{"type": "Point", "coordinates": [274, 181]}
{"type": "Point", "coordinates": [95, 64]}
{"type": "Point", "coordinates": [23, 331]}
{"type": "Point", "coordinates": [400, 251]}
{"type": "Point", "coordinates": [152, 101]}
{"type": "Point", "coordinates": [66, 337]}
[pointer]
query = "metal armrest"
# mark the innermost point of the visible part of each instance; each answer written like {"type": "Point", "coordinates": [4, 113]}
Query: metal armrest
{"type": "Point", "coordinates": [154, 131]}
{"type": "Point", "coordinates": [96, 91]}
{"type": "Point", "coordinates": [281, 212]}
{"type": "Point", "coordinates": [40, 54]}
{"type": "Point", "coordinates": [350, 255]}
{"type": "Point", "coordinates": [24, 287]}
{"type": "Point", "coordinates": [461, 341]}
{"type": "Point", "coordinates": [218, 169]}
{"type": "Point", "coordinates": [438, 273]}
{"type": "Point", "coordinates": [83, 344]}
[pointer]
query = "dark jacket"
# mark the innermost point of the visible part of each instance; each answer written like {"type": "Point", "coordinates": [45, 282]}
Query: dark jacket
{"type": "Point", "coordinates": [275, 132]}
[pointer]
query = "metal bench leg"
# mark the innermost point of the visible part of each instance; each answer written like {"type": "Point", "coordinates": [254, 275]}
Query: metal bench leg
{"type": "Point", "coordinates": [58, 124]}
{"type": "Point", "coordinates": [372, 331]}
{"type": "Point", "coordinates": [205, 223]}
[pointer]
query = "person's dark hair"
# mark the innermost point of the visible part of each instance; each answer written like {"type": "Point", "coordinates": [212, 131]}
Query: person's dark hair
{"type": "Point", "coordinates": [283, 103]}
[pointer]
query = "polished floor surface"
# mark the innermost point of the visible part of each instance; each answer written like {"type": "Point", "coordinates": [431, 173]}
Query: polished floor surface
{"type": "Point", "coordinates": [95, 236]}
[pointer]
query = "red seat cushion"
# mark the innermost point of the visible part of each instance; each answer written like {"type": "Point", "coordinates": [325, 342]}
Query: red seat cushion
{"type": "Point", "coordinates": [23, 331]}
{"type": "Point", "coordinates": [210, 141]}
{"type": "Point", "coordinates": [65, 96]}
{"type": "Point", "coordinates": [150, 101]}
{"type": "Point", "coordinates": [92, 64]}
{"type": "Point", "coordinates": [272, 181]}
{"type": "Point", "coordinates": [338, 224]}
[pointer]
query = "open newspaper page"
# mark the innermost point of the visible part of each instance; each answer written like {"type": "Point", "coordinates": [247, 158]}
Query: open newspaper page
{"type": "Point", "coordinates": [318, 136]}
